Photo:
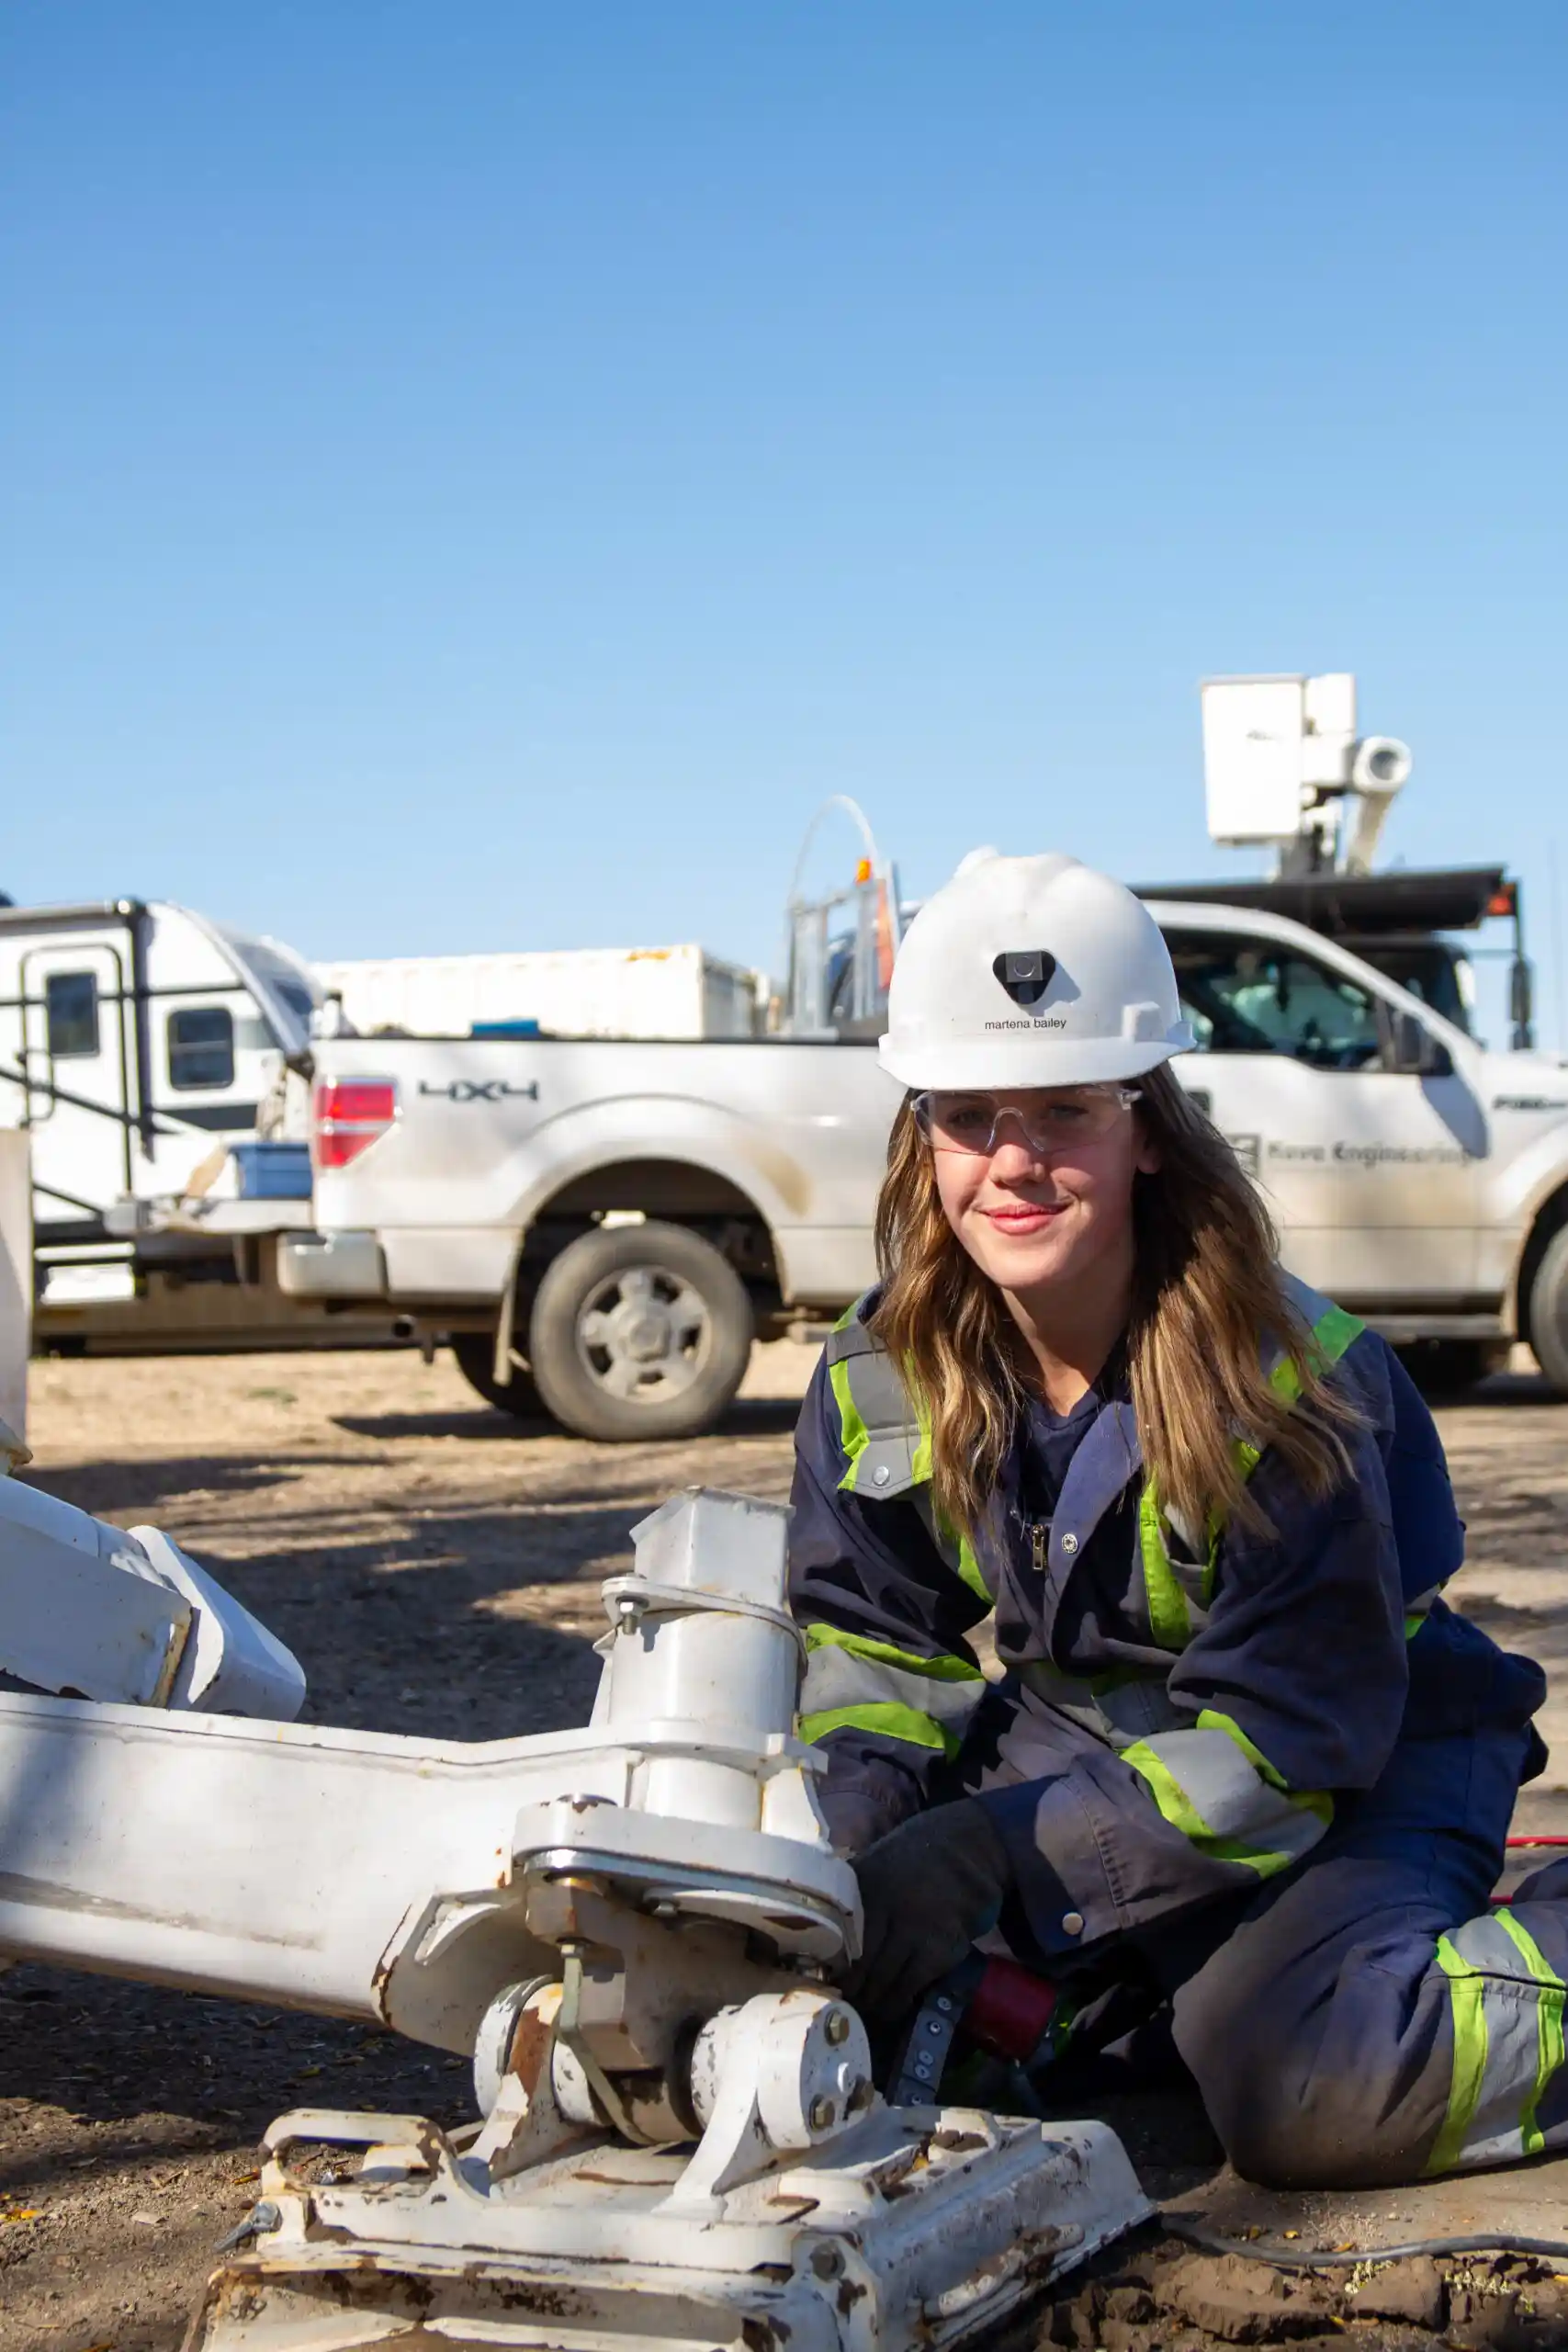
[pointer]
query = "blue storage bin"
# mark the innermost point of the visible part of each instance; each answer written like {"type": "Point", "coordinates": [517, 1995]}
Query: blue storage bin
{"type": "Point", "coordinates": [274, 1171]}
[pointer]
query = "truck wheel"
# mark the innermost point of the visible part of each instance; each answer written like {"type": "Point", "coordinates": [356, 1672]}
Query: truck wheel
{"type": "Point", "coordinates": [474, 1353]}
{"type": "Point", "coordinates": [639, 1331]}
{"type": "Point", "coordinates": [1445, 1368]}
{"type": "Point", "coordinates": [1547, 1320]}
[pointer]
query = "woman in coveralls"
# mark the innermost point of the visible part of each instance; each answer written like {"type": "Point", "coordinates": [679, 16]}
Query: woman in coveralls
{"type": "Point", "coordinates": [1245, 1760]}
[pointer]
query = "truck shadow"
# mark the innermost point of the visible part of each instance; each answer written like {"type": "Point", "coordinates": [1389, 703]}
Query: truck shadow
{"type": "Point", "coordinates": [747, 1417]}
{"type": "Point", "coordinates": [1510, 1391]}
{"type": "Point", "coordinates": [124, 1490]}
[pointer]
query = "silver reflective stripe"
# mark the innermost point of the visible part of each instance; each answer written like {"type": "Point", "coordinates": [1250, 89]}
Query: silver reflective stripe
{"type": "Point", "coordinates": [1511, 1997]}
{"type": "Point", "coordinates": [891, 1456]}
{"type": "Point", "coordinates": [1234, 1803]}
{"type": "Point", "coordinates": [887, 1465]}
{"type": "Point", "coordinates": [1132, 1711]}
{"type": "Point", "coordinates": [836, 1677]}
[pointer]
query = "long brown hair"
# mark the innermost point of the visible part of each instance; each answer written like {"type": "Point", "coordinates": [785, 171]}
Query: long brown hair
{"type": "Point", "coordinates": [1206, 1292]}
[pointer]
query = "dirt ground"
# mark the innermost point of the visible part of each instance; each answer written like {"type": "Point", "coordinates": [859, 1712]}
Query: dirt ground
{"type": "Point", "coordinates": [435, 1565]}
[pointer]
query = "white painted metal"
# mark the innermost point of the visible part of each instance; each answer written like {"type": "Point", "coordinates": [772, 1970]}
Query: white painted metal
{"type": "Point", "coordinates": [15, 1276]}
{"type": "Point", "coordinates": [1253, 729]}
{"type": "Point", "coordinates": [106, 1615]}
{"type": "Point", "coordinates": [808, 2214]}
{"type": "Point", "coordinates": [1282, 766]}
{"type": "Point", "coordinates": [124, 1857]}
{"type": "Point", "coordinates": [915, 2227]}
{"type": "Point", "coordinates": [399, 1879]}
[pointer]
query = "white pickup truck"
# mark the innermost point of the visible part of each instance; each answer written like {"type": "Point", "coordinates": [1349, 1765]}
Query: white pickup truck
{"type": "Point", "coordinates": [604, 1226]}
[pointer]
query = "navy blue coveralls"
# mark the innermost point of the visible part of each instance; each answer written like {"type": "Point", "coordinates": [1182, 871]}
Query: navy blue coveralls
{"type": "Point", "coordinates": [1269, 1775]}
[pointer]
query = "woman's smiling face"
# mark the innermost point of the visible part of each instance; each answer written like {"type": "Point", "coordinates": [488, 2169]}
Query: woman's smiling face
{"type": "Point", "coordinates": [1031, 1217]}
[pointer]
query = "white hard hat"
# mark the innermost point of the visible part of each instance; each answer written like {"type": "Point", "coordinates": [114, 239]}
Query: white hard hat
{"type": "Point", "coordinates": [1031, 971]}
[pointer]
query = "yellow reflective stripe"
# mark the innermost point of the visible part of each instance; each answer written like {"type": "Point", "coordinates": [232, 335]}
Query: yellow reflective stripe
{"type": "Point", "coordinates": [1169, 1619]}
{"type": "Point", "coordinates": [1466, 2003]}
{"type": "Point", "coordinates": [1317, 1802]}
{"type": "Point", "coordinates": [944, 1668]}
{"type": "Point", "coordinates": [1414, 1624]}
{"type": "Point", "coordinates": [1334, 1331]}
{"type": "Point", "coordinates": [1212, 1719]}
{"type": "Point", "coordinates": [921, 1460]}
{"type": "Point", "coordinates": [969, 1569]}
{"type": "Point", "coordinates": [960, 1554]}
{"type": "Point", "coordinates": [1337, 1331]}
{"type": "Point", "coordinates": [1177, 1807]}
{"type": "Point", "coordinates": [853, 1432]}
{"type": "Point", "coordinates": [882, 1716]}
{"type": "Point", "coordinates": [1548, 2024]}
{"type": "Point", "coordinates": [1172, 1799]}
{"type": "Point", "coordinates": [1330, 1336]}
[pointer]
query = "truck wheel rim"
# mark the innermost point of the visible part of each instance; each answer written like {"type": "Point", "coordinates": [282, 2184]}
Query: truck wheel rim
{"type": "Point", "coordinates": [644, 1335]}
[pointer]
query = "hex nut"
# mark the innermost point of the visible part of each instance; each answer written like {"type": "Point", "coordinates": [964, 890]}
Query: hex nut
{"type": "Point", "coordinates": [836, 2026]}
{"type": "Point", "coordinates": [821, 2113]}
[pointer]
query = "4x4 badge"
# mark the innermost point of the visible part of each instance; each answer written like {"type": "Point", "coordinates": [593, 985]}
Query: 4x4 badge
{"type": "Point", "coordinates": [482, 1090]}
{"type": "Point", "coordinates": [1025, 973]}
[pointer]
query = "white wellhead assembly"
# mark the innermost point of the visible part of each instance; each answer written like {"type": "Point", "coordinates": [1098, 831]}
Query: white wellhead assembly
{"type": "Point", "coordinates": [633, 1929]}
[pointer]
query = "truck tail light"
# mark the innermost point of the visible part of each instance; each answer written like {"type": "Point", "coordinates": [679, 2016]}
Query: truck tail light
{"type": "Point", "coordinates": [348, 1117]}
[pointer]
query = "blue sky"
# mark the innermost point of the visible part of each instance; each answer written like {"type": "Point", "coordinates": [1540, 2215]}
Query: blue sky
{"type": "Point", "coordinates": [477, 476]}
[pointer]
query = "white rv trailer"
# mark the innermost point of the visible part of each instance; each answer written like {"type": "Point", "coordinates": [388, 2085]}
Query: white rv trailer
{"type": "Point", "coordinates": [139, 1043]}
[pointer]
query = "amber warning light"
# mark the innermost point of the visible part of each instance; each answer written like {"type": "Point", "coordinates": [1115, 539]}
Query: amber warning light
{"type": "Point", "coordinates": [1505, 901]}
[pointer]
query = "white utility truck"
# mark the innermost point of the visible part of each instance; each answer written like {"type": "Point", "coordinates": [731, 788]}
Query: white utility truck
{"type": "Point", "coordinates": [604, 1226]}
{"type": "Point", "coordinates": [616, 1222]}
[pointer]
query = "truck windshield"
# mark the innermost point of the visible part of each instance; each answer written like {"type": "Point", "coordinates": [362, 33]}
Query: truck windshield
{"type": "Point", "coordinates": [1429, 968]}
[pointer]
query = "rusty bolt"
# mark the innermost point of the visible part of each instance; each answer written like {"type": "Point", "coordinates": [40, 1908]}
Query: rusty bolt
{"type": "Point", "coordinates": [836, 2027]}
{"type": "Point", "coordinates": [821, 2113]}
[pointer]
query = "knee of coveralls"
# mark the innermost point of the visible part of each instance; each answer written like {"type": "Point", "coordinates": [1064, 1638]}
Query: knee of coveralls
{"type": "Point", "coordinates": [1321, 2031]}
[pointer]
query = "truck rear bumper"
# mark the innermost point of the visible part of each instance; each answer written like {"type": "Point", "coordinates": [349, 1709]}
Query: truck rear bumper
{"type": "Point", "coordinates": [331, 1265]}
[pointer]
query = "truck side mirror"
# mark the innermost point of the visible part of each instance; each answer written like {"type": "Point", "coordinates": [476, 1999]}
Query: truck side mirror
{"type": "Point", "coordinates": [1521, 1000]}
{"type": "Point", "coordinates": [1410, 1048]}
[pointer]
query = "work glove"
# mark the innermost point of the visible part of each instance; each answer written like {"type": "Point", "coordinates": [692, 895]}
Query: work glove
{"type": "Point", "coordinates": [927, 1890]}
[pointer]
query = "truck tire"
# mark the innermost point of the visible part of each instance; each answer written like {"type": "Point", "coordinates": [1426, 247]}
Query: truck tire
{"type": "Point", "coordinates": [1547, 1323]}
{"type": "Point", "coordinates": [474, 1353]}
{"type": "Point", "coordinates": [1449, 1368]}
{"type": "Point", "coordinates": [640, 1331]}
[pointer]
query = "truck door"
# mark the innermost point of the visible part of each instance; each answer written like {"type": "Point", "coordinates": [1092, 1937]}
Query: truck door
{"type": "Point", "coordinates": [75, 1065]}
{"type": "Point", "coordinates": [1371, 1170]}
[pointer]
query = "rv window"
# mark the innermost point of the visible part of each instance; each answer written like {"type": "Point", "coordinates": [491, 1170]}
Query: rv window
{"type": "Point", "coordinates": [202, 1047]}
{"type": "Point", "coordinates": [70, 1006]}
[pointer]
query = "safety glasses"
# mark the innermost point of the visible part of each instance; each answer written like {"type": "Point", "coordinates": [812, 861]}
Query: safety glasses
{"type": "Point", "coordinates": [1051, 1120]}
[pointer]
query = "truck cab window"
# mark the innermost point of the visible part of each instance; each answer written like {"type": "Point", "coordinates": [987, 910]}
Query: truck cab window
{"type": "Point", "coordinates": [202, 1047]}
{"type": "Point", "coordinates": [70, 1011]}
{"type": "Point", "coordinates": [1245, 996]}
